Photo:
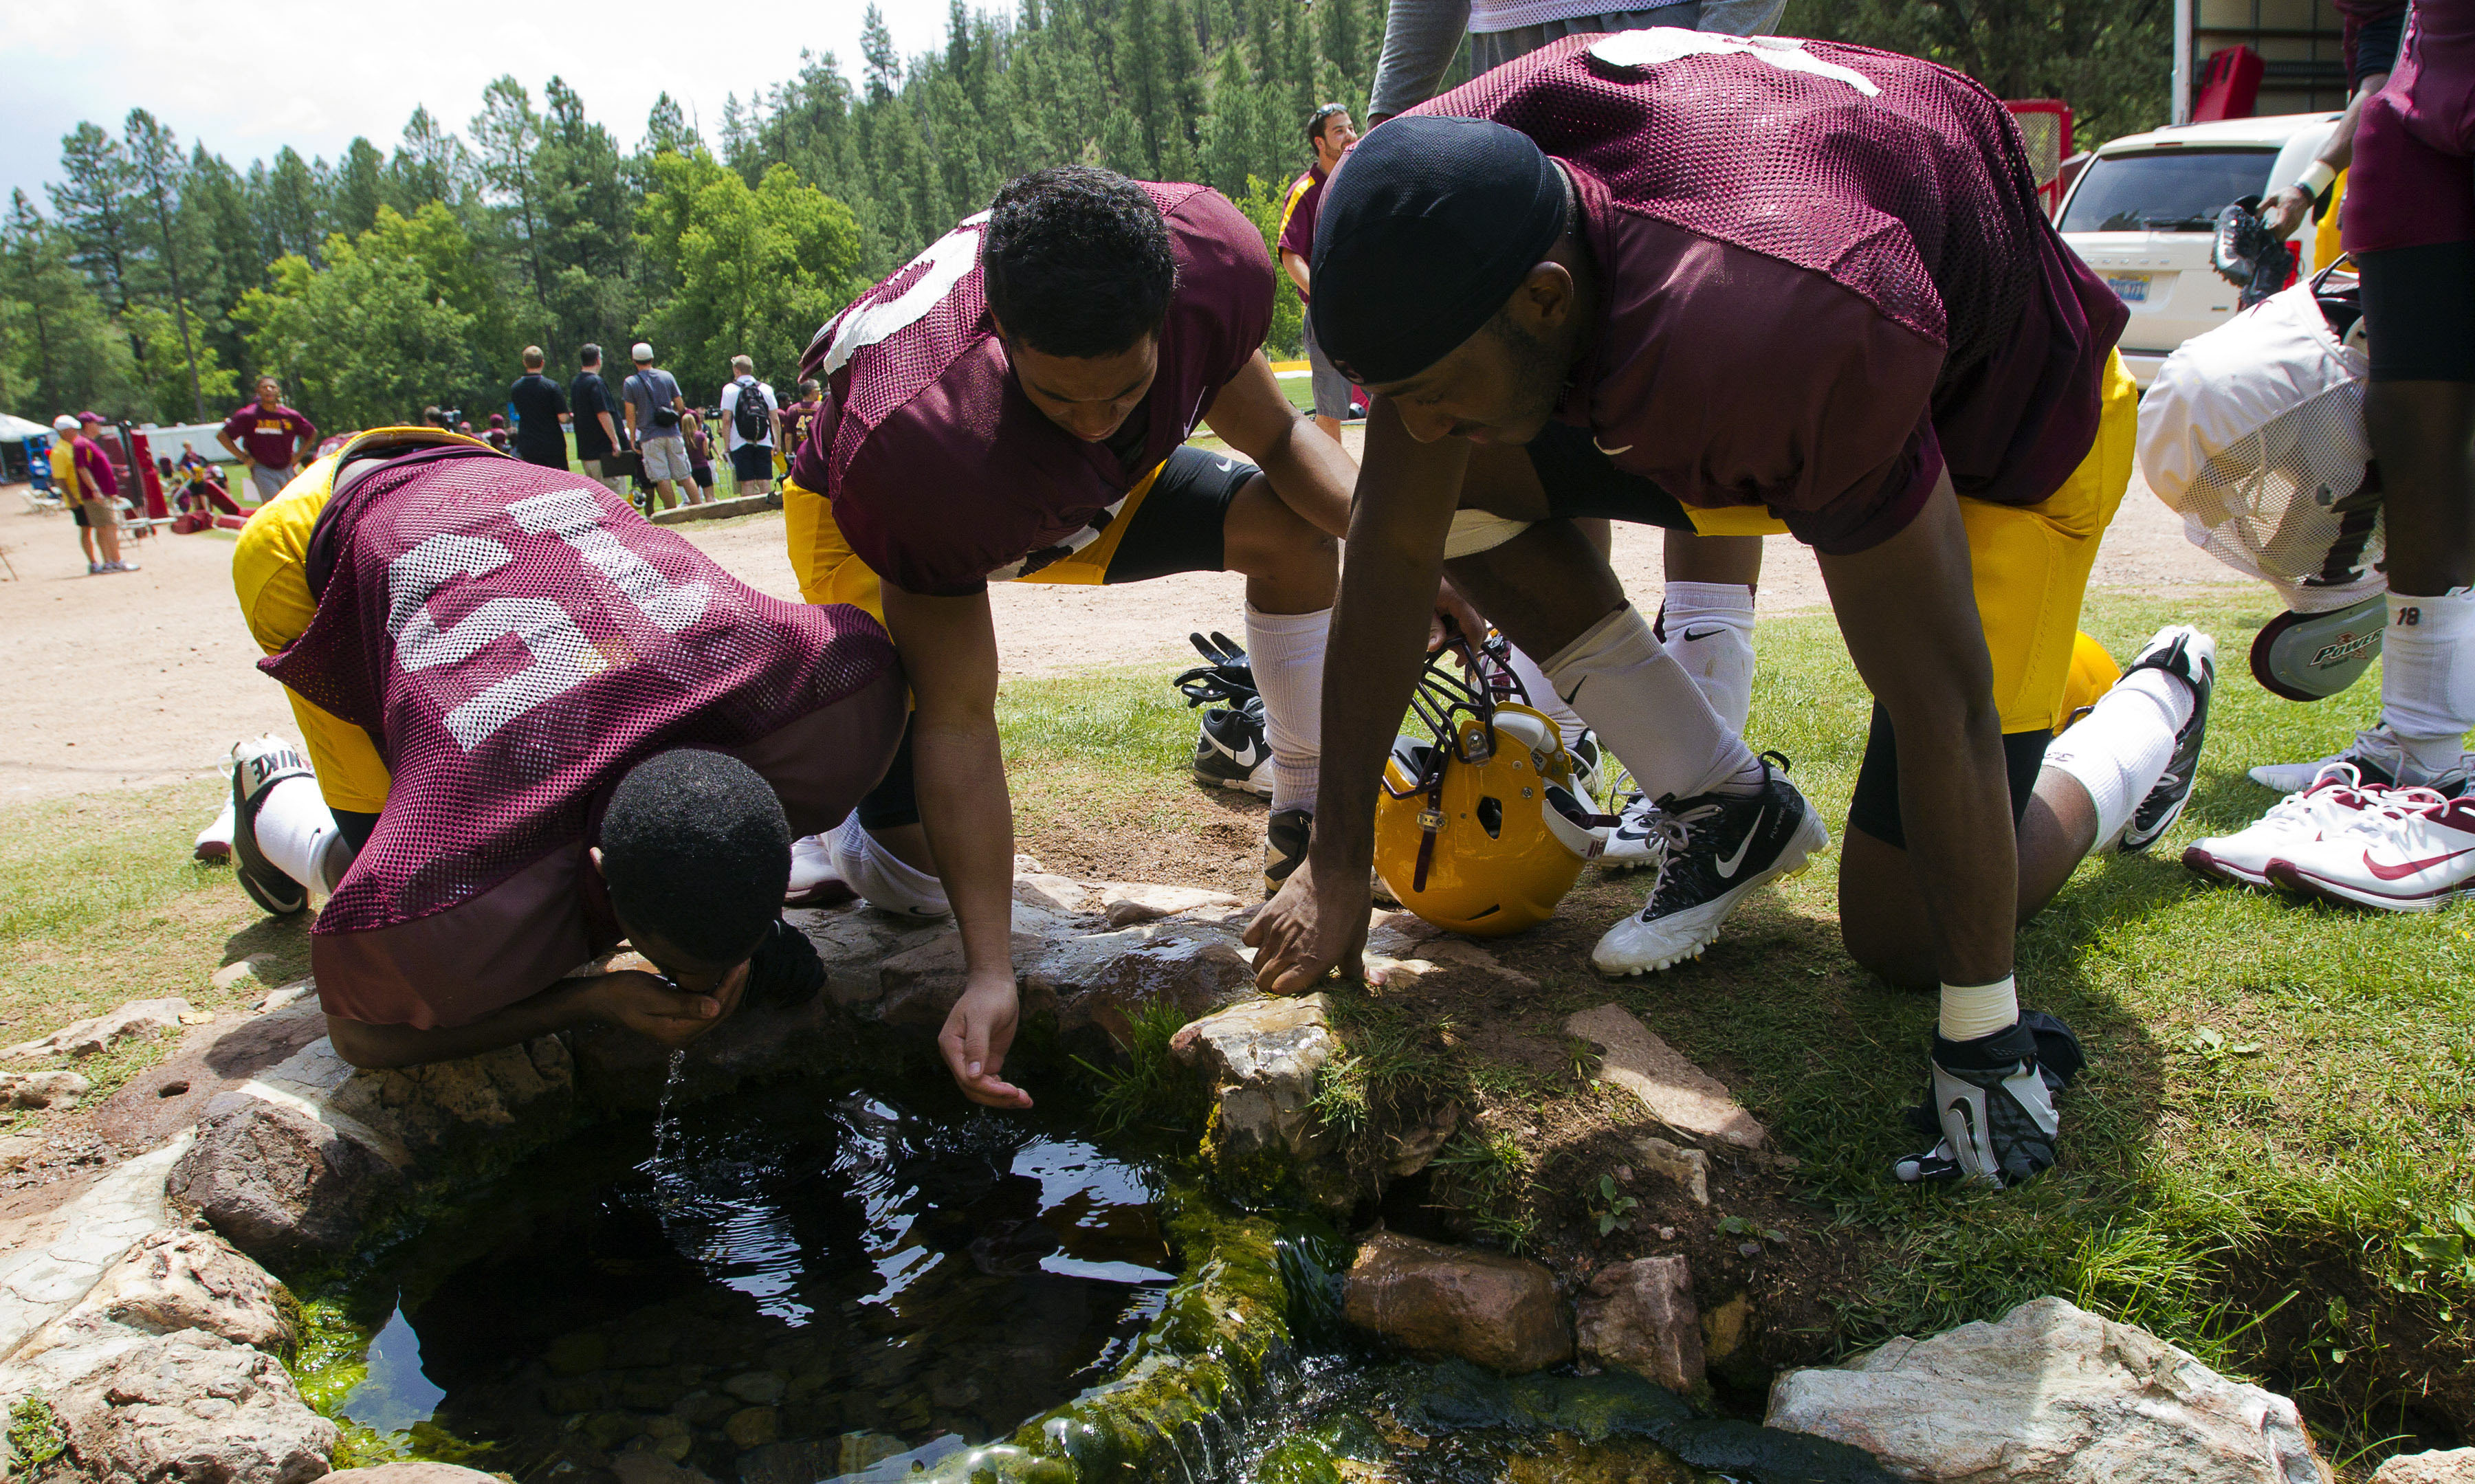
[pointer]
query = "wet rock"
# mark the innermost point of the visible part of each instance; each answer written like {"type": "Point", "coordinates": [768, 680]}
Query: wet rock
{"type": "Point", "coordinates": [922, 983]}
{"type": "Point", "coordinates": [178, 1279]}
{"type": "Point", "coordinates": [758, 1388]}
{"type": "Point", "coordinates": [1100, 980]}
{"type": "Point", "coordinates": [514, 1096]}
{"type": "Point", "coordinates": [411, 1474]}
{"type": "Point", "coordinates": [2457, 1466]}
{"type": "Point", "coordinates": [637, 1466]}
{"type": "Point", "coordinates": [668, 1437]}
{"type": "Point", "coordinates": [851, 941]}
{"type": "Point", "coordinates": [281, 1186]}
{"type": "Point", "coordinates": [1260, 1059]}
{"type": "Point", "coordinates": [1129, 902]}
{"type": "Point", "coordinates": [1726, 1329]}
{"type": "Point", "coordinates": [1408, 1151]}
{"type": "Point", "coordinates": [177, 1093]}
{"type": "Point", "coordinates": [752, 1428]}
{"type": "Point", "coordinates": [1672, 1090]}
{"type": "Point", "coordinates": [136, 1020]}
{"type": "Point", "coordinates": [192, 1406]}
{"type": "Point", "coordinates": [42, 1089]}
{"type": "Point", "coordinates": [2049, 1395]}
{"type": "Point", "coordinates": [1431, 1299]}
{"type": "Point", "coordinates": [258, 968]}
{"type": "Point", "coordinates": [1639, 1316]}
{"type": "Point", "coordinates": [1688, 1168]}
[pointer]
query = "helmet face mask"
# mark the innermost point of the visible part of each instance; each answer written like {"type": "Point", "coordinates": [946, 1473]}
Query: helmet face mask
{"type": "Point", "coordinates": [1477, 827]}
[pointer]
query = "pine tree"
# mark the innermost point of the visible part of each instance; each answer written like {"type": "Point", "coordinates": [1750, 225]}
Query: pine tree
{"type": "Point", "coordinates": [876, 54]}
{"type": "Point", "coordinates": [157, 169]}
{"type": "Point", "coordinates": [92, 200]}
{"type": "Point", "coordinates": [358, 189]}
{"type": "Point", "coordinates": [508, 133]}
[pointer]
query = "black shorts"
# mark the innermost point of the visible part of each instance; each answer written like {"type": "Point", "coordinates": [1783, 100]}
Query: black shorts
{"type": "Point", "coordinates": [1875, 807]}
{"type": "Point", "coordinates": [1584, 483]}
{"type": "Point", "coordinates": [1178, 526]}
{"type": "Point", "coordinates": [2419, 311]}
{"type": "Point", "coordinates": [79, 512]}
{"type": "Point", "coordinates": [752, 461]}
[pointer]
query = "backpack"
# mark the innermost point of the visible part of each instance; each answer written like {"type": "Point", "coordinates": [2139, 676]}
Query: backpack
{"type": "Point", "coordinates": [749, 417]}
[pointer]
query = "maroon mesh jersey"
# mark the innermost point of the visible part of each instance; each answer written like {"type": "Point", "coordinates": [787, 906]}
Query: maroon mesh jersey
{"type": "Point", "coordinates": [1825, 273]}
{"type": "Point", "coordinates": [514, 638]}
{"type": "Point", "coordinates": [943, 474]}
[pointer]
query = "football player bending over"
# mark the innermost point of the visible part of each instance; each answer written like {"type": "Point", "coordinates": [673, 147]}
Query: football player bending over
{"type": "Point", "coordinates": [536, 726]}
{"type": "Point", "coordinates": [1013, 405]}
{"type": "Point", "coordinates": [1627, 275]}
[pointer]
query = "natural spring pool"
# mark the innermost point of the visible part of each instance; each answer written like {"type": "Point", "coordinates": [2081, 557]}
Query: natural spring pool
{"type": "Point", "coordinates": [797, 1284]}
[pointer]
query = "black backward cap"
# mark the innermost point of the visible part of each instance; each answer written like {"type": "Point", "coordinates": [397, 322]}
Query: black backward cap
{"type": "Point", "coordinates": [1426, 230]}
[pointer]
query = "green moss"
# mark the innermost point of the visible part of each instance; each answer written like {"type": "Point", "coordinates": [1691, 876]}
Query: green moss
{"type": "Point", "coordinates": [36, 1436]}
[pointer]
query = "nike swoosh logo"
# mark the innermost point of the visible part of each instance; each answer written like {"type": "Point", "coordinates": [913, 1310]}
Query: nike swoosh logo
{"type": "Point", "coordinates": [1576, 690]}
{"type": "Point", "coordinates": [2409, 868]}
{"type": "Point", "coordinates": [1728, 866]}
{"type": "Point", "coordinates": [1690, 636]}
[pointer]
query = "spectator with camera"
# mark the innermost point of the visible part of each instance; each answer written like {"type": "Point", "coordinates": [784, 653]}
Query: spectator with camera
{"type": "Point", "coordinates": [654, 407]}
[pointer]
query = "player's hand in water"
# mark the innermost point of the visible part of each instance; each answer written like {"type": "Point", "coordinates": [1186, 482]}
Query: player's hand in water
{"type": "Point", "coordinates": [658, 1009]}
{"type": "Point", "coordinates": [1309, 930]}
{"type": "Point", "coordinates": [977, 1033]}
{"type": "Point", "coordinates": [1453, 616]}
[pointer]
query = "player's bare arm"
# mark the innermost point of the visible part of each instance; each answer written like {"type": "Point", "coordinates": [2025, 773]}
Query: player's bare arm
{"type": "Point", "coordinates": [1909, 616]}
{"type": "Point", "coordinates": [1308, 471]}
{"type": "Point", "coordinates": [652, 1006]}
{"type": "Point", "coordinates": [949, 651]}
{"type": "Point", "coordinates": [1295, 267]}
{"type": "Point", "coordinates": [1406, 494]}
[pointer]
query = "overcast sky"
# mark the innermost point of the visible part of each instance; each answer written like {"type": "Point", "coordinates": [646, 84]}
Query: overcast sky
{"type": "Point", "coordinates": [250, 76]}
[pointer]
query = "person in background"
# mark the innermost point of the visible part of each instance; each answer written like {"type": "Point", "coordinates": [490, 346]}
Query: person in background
{"type": "Point", "coordinates": [541, 414]}
{"type": "Point", "coordinates": [699, 446]}
{"type": "Point", "coordinates": [64, 480]}
{"type": "Point", "coordinates": [432, 417]}
{"type": "Point", "coordinates": [1330, 133]}
{"type": "Point", "coordinates": [1421, 35]}
{"type": "Point", "coordinates": [2372, 30]}
{"type": "Point", "coordinates": [99, 491]}
{"type": "Point", "coordinates": [268, 438]}
{"type": "Point", "coordinates": [748, 415]}
{"type": "Point", "coordinates": [653, 406]}
{"type": "Point", "coordinates": [596, 433]}
{"type": "Point", "coordinates": [496, 435]}
{"type": "Point", "coordinates": [791, 424]}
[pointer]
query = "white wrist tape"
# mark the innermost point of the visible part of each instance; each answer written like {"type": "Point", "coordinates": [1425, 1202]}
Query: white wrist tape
{"type": "Point", "coordinates": [2315, 178]}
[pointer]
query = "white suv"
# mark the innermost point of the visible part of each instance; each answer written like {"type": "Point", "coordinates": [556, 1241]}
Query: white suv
{"type": "Point", "coordinates": [2144, 215]}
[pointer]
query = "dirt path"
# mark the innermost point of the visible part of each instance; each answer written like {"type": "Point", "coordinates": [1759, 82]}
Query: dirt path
{"type": "Point", "coordinates": [146, 678]}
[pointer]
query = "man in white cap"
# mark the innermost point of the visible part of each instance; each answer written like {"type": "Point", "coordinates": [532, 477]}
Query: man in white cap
{"type": "Point", "coordinates": [653, 407]}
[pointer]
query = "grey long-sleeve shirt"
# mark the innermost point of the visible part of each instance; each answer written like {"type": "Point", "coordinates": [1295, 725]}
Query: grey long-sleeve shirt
{"type": "Point", "coordinates": [1421, 35]}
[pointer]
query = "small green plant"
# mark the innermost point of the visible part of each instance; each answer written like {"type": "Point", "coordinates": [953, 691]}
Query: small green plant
{"type": "Point", "coordinates": [1150, 1090]}
{"type": "Point", "coordinates": [36, 1436]}
{"type": "Point", "coordinates": [1340, 1094]}
{"type": "Point", "coordinates": [2439, 1250]}
{"type": "Point", "coordinates": [1737, 1226]}
{"type": "Point", "coordinates": [1612, 1209]}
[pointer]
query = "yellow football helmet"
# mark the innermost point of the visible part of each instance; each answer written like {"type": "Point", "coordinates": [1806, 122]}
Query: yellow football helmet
{"type": "Point", "coordinates": [2093, 673]}
{"type": "Point", "coordinates": [1478, 828]}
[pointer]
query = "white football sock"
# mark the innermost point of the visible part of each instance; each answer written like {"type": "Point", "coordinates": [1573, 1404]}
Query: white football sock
{"type": "Point", "coordinates": [1543, 697]}
{"type": "Point", "coordinates": [2121, 748]}
{"type": "Point", "coordinates": [1709, 628]}
{"type": "Point", "coordinates": [295, 829]}
{"type": "Point", "coordinates": [1972, 1013]}
{"type": "Point", "coordinates": [1287, 651]}
{"type": "Point", "coordinates": [2428, 676]}
{"type": "Point", "coordinates": [1649, 713]}
{"type": "Point", "coordinates": [880, 877]}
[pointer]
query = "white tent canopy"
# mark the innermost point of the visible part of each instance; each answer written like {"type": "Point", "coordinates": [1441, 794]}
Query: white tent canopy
{"type": "Point", "coordinates": [16, 429]}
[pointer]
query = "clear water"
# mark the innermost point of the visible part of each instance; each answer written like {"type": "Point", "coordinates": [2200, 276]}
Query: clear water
{"type": "Point", "coordinates": [778, 1287]}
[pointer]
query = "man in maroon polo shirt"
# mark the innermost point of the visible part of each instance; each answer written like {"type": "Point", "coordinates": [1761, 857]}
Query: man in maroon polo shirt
{"type": "Point", "coordinates": [268, 438]}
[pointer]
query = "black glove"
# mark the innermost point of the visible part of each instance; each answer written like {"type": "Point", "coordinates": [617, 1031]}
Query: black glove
{"type": "Point", "coordinates": [785, 971]}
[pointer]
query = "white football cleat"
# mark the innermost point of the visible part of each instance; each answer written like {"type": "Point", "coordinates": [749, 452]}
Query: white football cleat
{"type": "Point", "coordinates": [215, 840]}
{"type": "Point", "coordinates": [2378, 758]}
{"type": "Point", "coordinates": [2409, 852]}
{"type": "Point", "coordinates": [1636, 840]}
{"type": "Point", "coordinates": [1717, 850]}
{"type": "Point", "coordinates": [2293, 823]}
